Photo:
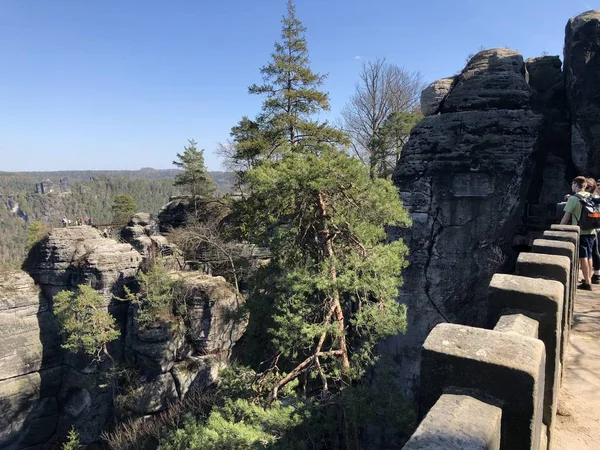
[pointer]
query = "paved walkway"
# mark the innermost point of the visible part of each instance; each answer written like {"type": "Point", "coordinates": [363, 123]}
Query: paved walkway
{"type": "Point", "coordinates": [578, 419]}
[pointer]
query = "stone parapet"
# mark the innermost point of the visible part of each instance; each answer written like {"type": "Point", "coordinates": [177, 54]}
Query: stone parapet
{"type": "Point", "coordinates": [458, 422]}
{"type": "Point", "coordinates": [489, 365]}
{"type": "Point", "coordinates": [516, 367]}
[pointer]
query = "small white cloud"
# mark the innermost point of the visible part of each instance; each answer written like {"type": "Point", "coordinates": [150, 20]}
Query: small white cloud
{"type": "Point", "coordinates": [357, 57]}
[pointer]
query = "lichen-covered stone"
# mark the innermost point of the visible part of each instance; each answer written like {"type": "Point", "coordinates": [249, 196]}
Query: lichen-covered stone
{"type": "Point", "coordinates": [198, 371]}
{"type": "Point", "coordinates": [458, 422]}
{"type": "Point", "coordinates": [30, 409]}
{"type": "Point", "coordinates": [28, 332]}
{"type": "Point", "coordinates": [152, 395]}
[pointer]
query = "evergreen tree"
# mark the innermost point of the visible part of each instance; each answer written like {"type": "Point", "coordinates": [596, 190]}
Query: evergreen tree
{"type": "Point", "coordinates": [386, 146]}
{"type": "Point", "coordinates": [85, 320]}
{"type": "Point", "coordinates": [194, 177]}
{"type": "Point", "coordinates": [73, 442]}
{"type": "Point", "coordinates": [123, 207]}
{"type": "Point", "coordinates": [329, 292]}
{"type": "Point", "coordinates": [292, 98]}
{"type": "Point", "coordinates": [332, 282]}
{"type": "Point", "coordinates": [36, 231]}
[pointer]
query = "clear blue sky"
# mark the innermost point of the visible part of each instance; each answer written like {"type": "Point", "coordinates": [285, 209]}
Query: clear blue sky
{"type": "Point", "coordinates": [122, 84]}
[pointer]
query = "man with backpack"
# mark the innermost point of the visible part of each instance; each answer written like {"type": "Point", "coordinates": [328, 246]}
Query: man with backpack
{"type": "Point", "coordinates": [580, 210]}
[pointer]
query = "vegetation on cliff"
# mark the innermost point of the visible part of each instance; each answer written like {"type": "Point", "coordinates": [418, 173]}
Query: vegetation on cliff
{"type": "Point", "coordinates": [327, 296]}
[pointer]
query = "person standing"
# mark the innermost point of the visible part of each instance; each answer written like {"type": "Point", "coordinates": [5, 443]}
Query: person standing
{"type": "Point", "coordinates": [587, 238]}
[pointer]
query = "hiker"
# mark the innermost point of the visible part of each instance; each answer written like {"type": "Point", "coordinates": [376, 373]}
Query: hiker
{"type": "Point", "coordinates": [587, 238]}
{"type": "Point", "coordinates": [65, 222]}
{"type": "Point", "coordinates": [592, 188]}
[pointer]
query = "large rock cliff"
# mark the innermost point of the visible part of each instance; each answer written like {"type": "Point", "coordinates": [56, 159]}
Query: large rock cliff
{"type": "Point", "coordinates": [481, 174]}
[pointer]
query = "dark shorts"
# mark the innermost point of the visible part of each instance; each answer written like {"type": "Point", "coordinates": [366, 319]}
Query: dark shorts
{"type": "Point", "coordinates": [586, 245]}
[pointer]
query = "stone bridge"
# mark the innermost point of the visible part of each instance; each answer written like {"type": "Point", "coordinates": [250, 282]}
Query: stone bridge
{"type": "Point", "coordinates": [498, 387]}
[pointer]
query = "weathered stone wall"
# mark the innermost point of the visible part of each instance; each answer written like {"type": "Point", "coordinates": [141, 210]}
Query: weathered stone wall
{"type": "Point", "coordinates": [498, 388]}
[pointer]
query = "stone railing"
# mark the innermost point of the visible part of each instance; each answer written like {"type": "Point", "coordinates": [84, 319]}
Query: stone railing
{"type": "Point", "coordinates": [498, 388]}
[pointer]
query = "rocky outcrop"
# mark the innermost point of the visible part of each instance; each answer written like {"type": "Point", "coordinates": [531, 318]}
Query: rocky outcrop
{"type": "Point", "coordinates": [174, 354]}
{"type": "Point", "coordinates": [493, 79]}
{"type": "Point", "coordinates": [464, 175]}
{"type": "Point", "coordinates": [582, 78]}
{"type": "Point", "coordinates": [142, 232]}
{"type": "Point", "coordinates": [434, 94]}
{"type": "Point", "coordinates": [554, 168]}
{"type": "Point", "coordinates": [212, 305]}
{"type": "Point", "coordinates": [78, 255]}
{"type": "Point", "coordinates": [30, 357]}
{"type": "Point", "coordinates": [46, 390]}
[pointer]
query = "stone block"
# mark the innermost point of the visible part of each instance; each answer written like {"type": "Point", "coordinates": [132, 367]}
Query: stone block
{"type": "Point", "coordinates": [492, 366]}
{"type": "Point", "coordinates": [550, 267]}
{"type": "Point", "coordinates": [458, 422]}
{"type": "Point", "coordinates": [558, 227]}
{"type": "Point", "coordinates": [518, 324]}
{"type": "Point", "coordinates": [573, 238]}
{"type": "Point", "coordinates": [544, 298]}
{"type": "Point", "coordinates": [561, 248]}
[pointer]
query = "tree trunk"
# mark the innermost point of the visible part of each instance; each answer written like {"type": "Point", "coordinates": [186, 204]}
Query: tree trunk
{"type": "Point", "coordinates": [337, 307]}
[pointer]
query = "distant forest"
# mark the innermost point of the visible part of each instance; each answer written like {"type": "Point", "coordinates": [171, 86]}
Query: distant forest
{"type": "Point", "coordinates": [88, 193]}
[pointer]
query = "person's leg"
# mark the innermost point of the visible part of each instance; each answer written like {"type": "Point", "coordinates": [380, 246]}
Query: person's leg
{"type": "Point", "coordinates": [586, 243]}
{"type": "Point", "coordinates": [596, 263]}
{"type": "Point", "coordinates": [585, 269]}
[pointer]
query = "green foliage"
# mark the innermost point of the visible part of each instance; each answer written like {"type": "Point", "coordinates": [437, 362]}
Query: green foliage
{"type": "Point", "coordinates": [194, 176]}
{"type": "Point", "coordinates": [292, 98]}
{"type": "Point", "coordinates": [157, 294]}
{"type": "Point", "coordinates": [389, 141]}
{"type": "Point", "coordinates": [319, 214]}
{"type": "Point", "coordinates": [296, 422]}
{"type": "Point", "coordinates": [83, 317]}
{"type": "Point", "coordinates": [36, 231]}
{"type": "Point", "coordinates": [123, 208]}
{"type": "Point", "coordinates": [73, 442]}
{"type": "Point", "coordinates": [237, 424]}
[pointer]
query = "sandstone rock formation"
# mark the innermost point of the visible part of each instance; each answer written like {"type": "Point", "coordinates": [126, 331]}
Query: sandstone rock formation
{"type": "Point", "coordinates": [174, 355]}
{"type": "Point", "coordinates": [30, 357]}
{"type": "Point", "coordinates": [72, 256]}
{"type": "Point", "coordinates": [465, 175]}
{"type": "Point", "coordinates": [142, 232]}
{"type": "Point", "coordinates": [582, 79]}
{"type": "Point", "coordinates": [46, 390]}
{"type": "Point", "coordinates": [433, 95]}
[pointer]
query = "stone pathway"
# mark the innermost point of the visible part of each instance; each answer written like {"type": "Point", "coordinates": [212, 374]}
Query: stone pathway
{"type": "Point", "coordinates": [578, 419]}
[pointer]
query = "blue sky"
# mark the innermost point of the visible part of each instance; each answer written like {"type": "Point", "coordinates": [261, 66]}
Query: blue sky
{"type": "Point", "coordinates": [122, 84]}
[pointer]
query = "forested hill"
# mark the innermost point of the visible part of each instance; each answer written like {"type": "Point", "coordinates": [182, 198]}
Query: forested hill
{"type": "Point", "coordinates": [26, 197]}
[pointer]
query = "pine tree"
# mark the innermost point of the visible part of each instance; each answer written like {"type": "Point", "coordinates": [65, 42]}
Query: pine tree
{"type": "Point", "coordinates": [329, 292]}
{"type": "Point", "coordinates": [292, 98]}
{"type": "Point", "coordinates": [87, 324]}
{"type": "Point", "coordinates": [123, 208]}
{"type": "Point", "coordinates": [73, 442]}
{"type": "Point", "coordinates": [194, 176]}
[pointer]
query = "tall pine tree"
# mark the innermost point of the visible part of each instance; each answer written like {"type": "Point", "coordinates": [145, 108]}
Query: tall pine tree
{"type": "Point", "coordinates": [330, 289]}
{"type": "Point", "coordinates": [194, 176]}
{"type": "Point", "coordinates": [292, 99]}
